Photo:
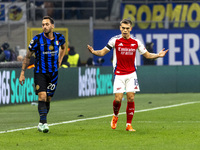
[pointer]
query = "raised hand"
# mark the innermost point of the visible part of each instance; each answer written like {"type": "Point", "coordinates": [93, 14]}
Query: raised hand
{"type": "Point", "coordinates": [90, 48]}
{"type": "Point", "coordinates": [163, 52]}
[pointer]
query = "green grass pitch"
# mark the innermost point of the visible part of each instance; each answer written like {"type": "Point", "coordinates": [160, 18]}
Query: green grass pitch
{"type": "Point", "coordinates": [160, 121]}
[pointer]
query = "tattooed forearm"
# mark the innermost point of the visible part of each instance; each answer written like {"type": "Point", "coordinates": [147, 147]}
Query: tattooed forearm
{"type": "Point", "coordinates": [26, 63]}
{"type": "Point", "coordinates": [26, 60]}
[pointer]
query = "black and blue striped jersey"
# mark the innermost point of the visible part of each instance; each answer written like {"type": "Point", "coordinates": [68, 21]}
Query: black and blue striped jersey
{"type": "Point", "coordinates": [46, 52]}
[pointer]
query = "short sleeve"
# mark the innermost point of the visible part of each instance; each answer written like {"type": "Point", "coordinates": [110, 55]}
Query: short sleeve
{"type": "Point", "coordinates": [62, 40]}
{"type": "Point", "coordinates": [111, 44]}
{"type": "Point", "coordinates": [33, 44]}
{"type": "Point", "coordinates": [141, 47]}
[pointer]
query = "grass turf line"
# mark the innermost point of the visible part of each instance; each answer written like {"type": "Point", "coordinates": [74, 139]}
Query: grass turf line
{"type": "Point", "coordinates": [73, 121]}
{"type": "Point", "coordinates": [173, 128]}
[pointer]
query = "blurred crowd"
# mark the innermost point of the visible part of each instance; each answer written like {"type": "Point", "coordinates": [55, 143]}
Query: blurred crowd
{"type": "Point", "coordinates": [73, 10]}
{"type": "Point", "coordinates": [7, 54]}
{"type": "Point", "coordinates": [78, 9]}
{"type": "Point", "coordinates": [71, 59]}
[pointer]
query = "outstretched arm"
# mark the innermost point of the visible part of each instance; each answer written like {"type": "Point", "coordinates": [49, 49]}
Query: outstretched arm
{"type": "Point", "coordinates": [162, 53]}
{"type": "Point", "coordinates": [25, 64]}
{"type": "Point", "coordinates": [97, 52]}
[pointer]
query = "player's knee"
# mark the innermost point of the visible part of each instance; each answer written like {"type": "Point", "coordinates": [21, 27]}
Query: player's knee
{"type": "Point", "coordinates": [42, 97]}
{"type": "Point", "coordinates": [130, 98]}
{"type": "Point", "coordinates": [118, 99]}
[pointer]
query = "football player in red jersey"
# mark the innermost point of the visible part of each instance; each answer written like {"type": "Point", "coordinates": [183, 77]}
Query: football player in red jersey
{"type": "Point", "coordinates": [124, 51]}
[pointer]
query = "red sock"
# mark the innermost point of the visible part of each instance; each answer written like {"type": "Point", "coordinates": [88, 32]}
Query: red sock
{"type": "Point", "coordinates": [116, 107]}
{"type": "Point", "coordinates": [130, 111]}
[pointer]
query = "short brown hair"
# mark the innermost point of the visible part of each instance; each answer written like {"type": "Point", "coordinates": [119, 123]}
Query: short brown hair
{"type": "Point", "coordinates": [126, 21]}
{"type": "Point", "coordinates": [51, 19]}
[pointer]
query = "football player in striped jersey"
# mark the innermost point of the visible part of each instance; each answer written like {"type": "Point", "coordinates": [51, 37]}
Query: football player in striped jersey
{"type": "Point", "coordinates": [49, 48]}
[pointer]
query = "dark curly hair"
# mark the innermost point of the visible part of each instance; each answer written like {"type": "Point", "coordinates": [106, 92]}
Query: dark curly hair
{"type": "Point", "coordinates": [51, 19]}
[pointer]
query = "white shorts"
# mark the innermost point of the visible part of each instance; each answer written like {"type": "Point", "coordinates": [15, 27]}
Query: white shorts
{"type": "Point", "coordinates": [126, 83]}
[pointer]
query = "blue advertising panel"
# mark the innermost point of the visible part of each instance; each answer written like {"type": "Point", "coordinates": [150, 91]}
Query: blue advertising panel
{"type": "Point", "coordinates": [2, 12]}
{"type": "Point", "coordinates": [183, 45]}
{"type": "Point", "coordinates": [101, 38]}
{"type": "Point", "coordinates": [162, 16]}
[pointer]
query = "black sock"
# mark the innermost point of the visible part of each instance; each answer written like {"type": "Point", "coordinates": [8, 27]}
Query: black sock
{"type": "Point", "coordinates": [42, 109]}
{"type": "Point", "coordinates": [48, 106]}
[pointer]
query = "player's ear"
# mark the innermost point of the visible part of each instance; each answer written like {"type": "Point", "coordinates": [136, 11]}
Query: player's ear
{"type": "Point", "coordinates": [120, 27]}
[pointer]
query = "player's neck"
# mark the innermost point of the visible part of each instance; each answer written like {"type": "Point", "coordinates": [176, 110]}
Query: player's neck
{"type": "Point", "coordinates": [126, 37]}
{"type": "Point", "coordinates": [49, 35]}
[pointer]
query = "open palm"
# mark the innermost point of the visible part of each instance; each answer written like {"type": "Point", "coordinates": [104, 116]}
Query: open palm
{"type": "Point", "coordinates": [163, 52]}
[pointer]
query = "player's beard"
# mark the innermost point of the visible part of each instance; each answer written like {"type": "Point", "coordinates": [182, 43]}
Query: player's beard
{"type": "Point", "coordinates": [46, 31]}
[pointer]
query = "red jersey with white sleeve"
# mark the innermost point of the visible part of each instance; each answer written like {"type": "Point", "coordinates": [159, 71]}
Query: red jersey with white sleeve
{"type": "Point", "coordinates": [124, 52]}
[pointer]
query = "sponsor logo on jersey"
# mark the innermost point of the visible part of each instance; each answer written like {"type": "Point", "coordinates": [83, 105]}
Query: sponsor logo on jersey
{"type": "Point", "coordinates": [133, 44]}
{"type": "Point", "coordinates": [50, 52]}
{"type": "Point", "coordinates": [126, 49]}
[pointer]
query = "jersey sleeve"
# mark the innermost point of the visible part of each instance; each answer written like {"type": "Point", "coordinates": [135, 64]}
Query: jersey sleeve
{"type": "Point", "coordinates": [62, 40]}
{"type": "Point", "coordinates": [33, 44]}
{"type": "Point", "coordinates": [141, 48]}
{"type": "Point", "coordinates": [111, 44]}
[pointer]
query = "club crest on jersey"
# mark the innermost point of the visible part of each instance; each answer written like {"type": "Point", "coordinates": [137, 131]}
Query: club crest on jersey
{"type": "Point", "coordinates": [37, 87]}
{"type": "Point", "coordinates": [51, 47]}
{"type": "Point", "coordinates": [57, 42]}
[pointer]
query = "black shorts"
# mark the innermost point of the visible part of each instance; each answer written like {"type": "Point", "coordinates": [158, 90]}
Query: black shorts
{"type": "Point", "coordinates": [46, 82]}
